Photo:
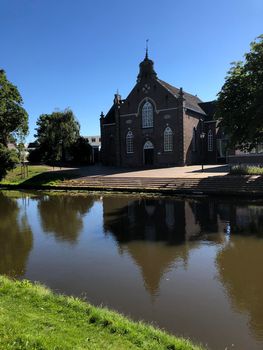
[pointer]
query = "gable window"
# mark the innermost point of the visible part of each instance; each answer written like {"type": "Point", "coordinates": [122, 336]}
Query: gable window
{"type": "Point", "coordinates": [168, 139]}
{"type": "Point", "coordinates": [210, 141]}
{"type": "Point", "coordinates": [194, 140]}
{"type": "Point", "coordinates": [147, 115]}
{"type": "Point", "coordinates": [129, 142]}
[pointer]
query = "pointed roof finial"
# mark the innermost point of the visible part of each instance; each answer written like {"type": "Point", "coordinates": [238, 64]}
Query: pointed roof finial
{"type": "Point", "coordinates": [146, 54]}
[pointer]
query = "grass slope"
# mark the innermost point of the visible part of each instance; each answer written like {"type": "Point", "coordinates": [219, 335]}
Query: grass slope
{"type": "Point", "coordinates": [37, 175]}
{"type": "Point", "coordinates": [33, 317]}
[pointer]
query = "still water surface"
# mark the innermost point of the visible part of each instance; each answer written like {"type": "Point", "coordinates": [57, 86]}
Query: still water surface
{"type": "Point", "coordinates": [191, 266]}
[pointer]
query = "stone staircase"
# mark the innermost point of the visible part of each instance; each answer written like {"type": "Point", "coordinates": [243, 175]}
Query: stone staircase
{"type": "Point", "coordinates": [230, 185]}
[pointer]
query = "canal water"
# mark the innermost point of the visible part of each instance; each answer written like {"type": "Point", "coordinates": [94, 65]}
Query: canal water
{"type": "Point", "coordinates": [193, 267]}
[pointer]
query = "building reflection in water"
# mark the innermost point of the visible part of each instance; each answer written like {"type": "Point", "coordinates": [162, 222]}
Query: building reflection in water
{"type": "Point", "coordinates": [16, 239]}
{"type": "Point", "coordinates": [160, 233]}
{"type": "Point", "coordinates": [155, 232]}
{"type": "Point", "coordinates": [144, 220]}
{"type": "Point", "coordinates": [62, 215]}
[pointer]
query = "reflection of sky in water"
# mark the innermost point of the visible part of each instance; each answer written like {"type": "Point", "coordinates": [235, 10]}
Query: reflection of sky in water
{"type": "Point", "coordinates": [193, 267]}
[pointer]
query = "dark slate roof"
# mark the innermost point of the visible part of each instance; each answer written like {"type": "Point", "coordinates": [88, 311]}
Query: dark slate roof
{"type": "Point", "coordinates": [192, 102]}
{"type": "Point", "coordinates": [209, 108]}
{"type": "Point", "coordinates": [110, 116]}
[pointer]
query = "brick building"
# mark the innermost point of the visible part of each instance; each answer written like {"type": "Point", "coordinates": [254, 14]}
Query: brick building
{"type": "Point", "coordinates": [158, 125]}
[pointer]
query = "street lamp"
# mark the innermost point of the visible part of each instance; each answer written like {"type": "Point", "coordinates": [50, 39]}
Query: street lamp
{"type": "Point", "coordinates": [202, 136]}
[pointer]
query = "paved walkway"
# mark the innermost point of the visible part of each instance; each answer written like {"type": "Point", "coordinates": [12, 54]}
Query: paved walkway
{"type": "Point", "coordinates": [178, 172]}
{"type": "Point", "coordinates": [173, 172]}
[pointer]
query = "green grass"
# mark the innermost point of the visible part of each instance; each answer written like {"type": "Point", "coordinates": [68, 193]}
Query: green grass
{"type": "Point", "coordinates": [38, 175]}
{"type": "Point", "coordinates": [15, 176]}
{"type": "Point", "coordinates": [33, 317]}
{"type": "Point", "coordinates": [246, 170]}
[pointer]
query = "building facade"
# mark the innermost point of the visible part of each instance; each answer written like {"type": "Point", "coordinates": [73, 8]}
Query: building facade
{"type": "Point", "coordinates": [158, 125]}
{"type": "Point", "coordinates": [95, 142]}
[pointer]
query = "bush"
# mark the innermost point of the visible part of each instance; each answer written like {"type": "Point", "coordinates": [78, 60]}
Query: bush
{"type": "Point", "coordinates": [246, 170]}
{"type": "Point", "coordinates": [8, 160]}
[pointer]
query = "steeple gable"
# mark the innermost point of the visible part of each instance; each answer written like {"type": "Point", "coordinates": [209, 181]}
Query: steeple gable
{"type": "Point", "coordinates": [146, 69]}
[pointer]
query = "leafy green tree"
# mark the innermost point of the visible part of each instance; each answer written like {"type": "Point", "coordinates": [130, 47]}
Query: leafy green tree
{"type": "Point", "coordinates": [81, 151]}
{"type": "Point", "coordinates": [13, 122]}
{"type": "Point", "coordinates": [13, 117]}
{"type": "Point", "coordinates": [8, 159]}
{"type": "Point", "coordinates": [56, 132]}
{"type": "Point", "coordinates": [240, 101]}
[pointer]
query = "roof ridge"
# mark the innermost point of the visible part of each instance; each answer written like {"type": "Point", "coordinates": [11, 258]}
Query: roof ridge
{"type": "Point", "coordinates": [185, 92]}
{"type": "Point", "coordinates": [192, 101]}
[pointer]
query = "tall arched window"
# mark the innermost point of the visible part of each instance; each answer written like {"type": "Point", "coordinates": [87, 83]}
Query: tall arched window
{"type": "Point", "coordinates": [194, 140]}
{"type": "Point", "coordinates": [129, 142]}
{"type": "Point", "coordinates": [210, 141]}
{"type": "Point", "coordinates": [168, 139]}
{"type": "Point", "coordinates": [147, 115]}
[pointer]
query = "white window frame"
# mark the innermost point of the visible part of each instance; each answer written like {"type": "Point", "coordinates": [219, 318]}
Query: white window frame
{"type": "Point", "coordinates": [129, 142]}
{"type": "Point", "coordinates": [168, 139]}
{"type": "Point", "coordinates": [147, 115]}
{"type": "Point", "coordinates": [210, 141]}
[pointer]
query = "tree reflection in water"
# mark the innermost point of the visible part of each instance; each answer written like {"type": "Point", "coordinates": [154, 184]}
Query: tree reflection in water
{"type": "Point", "coordinates": [62, 215]}
{"type": "Point", "coordinates": [16, 239]}
{"type": "Point", "coordinates": [240, 270]}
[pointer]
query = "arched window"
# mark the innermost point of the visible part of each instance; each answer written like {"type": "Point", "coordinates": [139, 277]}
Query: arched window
{"type": "Point", "coordinates": [168, 139]}
{"type": "Point", "coordinates": [129, 142]}
{"type": "Point", "coordinates": [210, 141]}
{"type": "Point", "coordinates": [147, 115]}
{"type": "Point", "coordinates": [194, 140]}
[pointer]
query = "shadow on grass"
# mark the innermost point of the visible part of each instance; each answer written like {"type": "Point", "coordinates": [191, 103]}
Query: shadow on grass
{"type": "Point", "coordinates": [50, 177]}
{"type": "Point", "coordinates": [53, 176]}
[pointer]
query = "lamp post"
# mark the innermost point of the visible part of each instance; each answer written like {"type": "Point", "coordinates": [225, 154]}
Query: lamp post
{"type": "Point", "coordinates": [61, 152]}
{"type": "Point", "coordinates": [202, 136]}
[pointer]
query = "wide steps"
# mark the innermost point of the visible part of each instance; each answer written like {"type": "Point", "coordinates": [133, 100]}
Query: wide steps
{"type": "Point", "coordinates": [215, 184]}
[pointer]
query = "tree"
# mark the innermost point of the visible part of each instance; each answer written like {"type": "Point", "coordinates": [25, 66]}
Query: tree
{"type": "Point", "coordinates": [8, 159]}
{"type": "Point", "coordinates": [13, 117]}
{"type": "Point", "coordinates": [81, 151]}
{"type": "Point", "coordinates": [56, 132]}
{"type": "Point", "coordinates": [13, 122]}
{"type": "Point", "coordinates": [240, 101]}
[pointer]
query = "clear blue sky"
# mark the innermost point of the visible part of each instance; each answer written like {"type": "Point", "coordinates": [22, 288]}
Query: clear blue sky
{"type": "Point", "coordinates": [77, 53]}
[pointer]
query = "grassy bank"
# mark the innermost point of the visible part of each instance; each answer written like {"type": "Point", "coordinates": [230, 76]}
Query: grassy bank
{"type": "Point", "coordinates": [33, 317]}
{"type": "Point", "coordinates": [37, 175]}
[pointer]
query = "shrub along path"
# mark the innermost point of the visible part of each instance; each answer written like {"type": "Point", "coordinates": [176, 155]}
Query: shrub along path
{"type": "Point", "coordinates": [32, 317]}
